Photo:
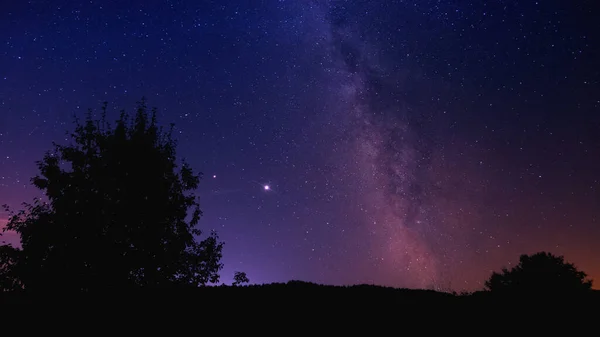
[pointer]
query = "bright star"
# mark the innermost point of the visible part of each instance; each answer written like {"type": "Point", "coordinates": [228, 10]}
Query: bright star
{"type": "Point", "coordinates": [267, 187]}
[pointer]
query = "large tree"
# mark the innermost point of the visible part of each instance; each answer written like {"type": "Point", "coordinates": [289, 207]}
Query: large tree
{"type": "Point", "coordinates": [539, 273]}
{"type": "Point", "coordinates": [119, 211]}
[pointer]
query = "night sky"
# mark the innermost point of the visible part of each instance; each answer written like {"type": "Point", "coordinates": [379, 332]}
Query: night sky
{"type": "Point", "coordinates": [416, 144]}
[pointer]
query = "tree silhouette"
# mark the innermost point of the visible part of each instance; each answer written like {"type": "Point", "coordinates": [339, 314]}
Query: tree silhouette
{"type": "Point", "coordinates": [539, 273]}
{"type": "Point", "coordinates": [118, 212]}
{"type": "Point", "coordinates": [239, 278]}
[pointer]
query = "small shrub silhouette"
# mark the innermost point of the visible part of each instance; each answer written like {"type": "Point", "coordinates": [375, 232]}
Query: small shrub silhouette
{"type": "Point", "coordinates": [539, 273]}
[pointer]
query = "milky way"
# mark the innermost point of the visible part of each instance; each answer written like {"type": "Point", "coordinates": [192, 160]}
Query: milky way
{"type": "Point", "coordinates": [381, 158]}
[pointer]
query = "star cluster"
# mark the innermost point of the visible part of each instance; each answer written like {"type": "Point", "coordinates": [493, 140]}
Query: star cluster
{"type": "Point", "coordinates": [404, 143]}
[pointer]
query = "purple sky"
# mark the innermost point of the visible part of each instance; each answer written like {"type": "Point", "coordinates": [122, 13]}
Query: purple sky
{"type": "Point", "coordinates": [413, 144]}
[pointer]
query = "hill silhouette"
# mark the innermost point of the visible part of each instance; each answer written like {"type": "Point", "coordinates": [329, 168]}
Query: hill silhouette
{"type": "Point", "coordinates": [297, 301]}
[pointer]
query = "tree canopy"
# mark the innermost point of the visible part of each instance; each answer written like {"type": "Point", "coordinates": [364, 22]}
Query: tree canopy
{"type": "Point", "coordinates": [539, 273]}
{"type": "Point", "coordinates": [118, 211]}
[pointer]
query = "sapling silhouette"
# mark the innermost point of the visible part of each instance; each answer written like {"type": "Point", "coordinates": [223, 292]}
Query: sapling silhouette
{"type": "Point", "coordinates": [240, 278]}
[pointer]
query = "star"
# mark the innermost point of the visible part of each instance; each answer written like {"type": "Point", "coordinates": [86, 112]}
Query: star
{"type": "Point", "coordinates": [266, 187]}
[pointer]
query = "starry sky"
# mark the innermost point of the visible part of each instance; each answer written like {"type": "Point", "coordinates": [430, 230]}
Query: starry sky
{"type": "Point", "coordinates": [413, 143]}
